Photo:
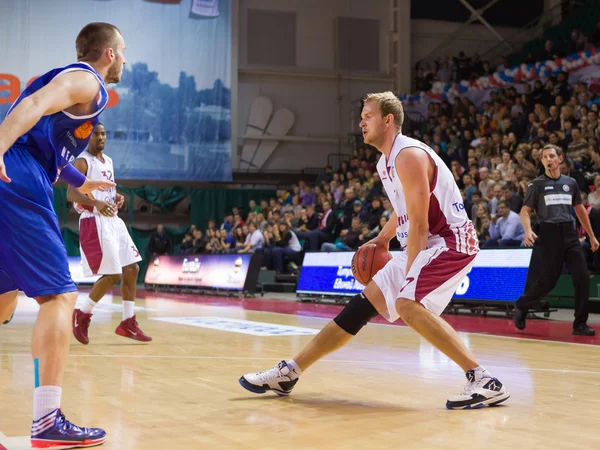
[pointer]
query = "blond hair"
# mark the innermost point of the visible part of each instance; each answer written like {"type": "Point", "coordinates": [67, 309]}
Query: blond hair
{"type": "Point", "coordinates": [388, 103]}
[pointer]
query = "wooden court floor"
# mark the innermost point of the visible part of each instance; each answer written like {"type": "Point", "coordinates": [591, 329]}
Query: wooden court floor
{"type": "Point", "coordinates": [387, 389]}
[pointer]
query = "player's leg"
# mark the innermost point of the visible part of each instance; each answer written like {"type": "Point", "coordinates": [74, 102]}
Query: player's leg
{"type": "Point", "coordinates": [546, 265]}
{"type": "Point", "coordinates": [82, 316]}
{"type": "Point", "coordinates": [434, 277]}
{"type": "Point", "coordinates": [577, 266]}
{"type": "Point", "coordinates": [129, 327]}
{"type": "Point", "coordinates": [361, 309]}
{"type": "Point", "coordinates": [33, 254]}
{"type": "Point", "coordinates": [99, 256]}
{"type": "Point", "coordinates": [129, 256]}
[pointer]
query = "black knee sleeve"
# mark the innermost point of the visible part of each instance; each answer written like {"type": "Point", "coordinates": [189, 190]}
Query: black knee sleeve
{"type": "Point", "coordinates": [356, 314]}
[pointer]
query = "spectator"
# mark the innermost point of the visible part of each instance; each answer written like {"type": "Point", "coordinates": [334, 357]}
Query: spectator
{"type": "Point", "coordinates": [286, 246]}
{"type": "Point", "coordinates": [469, 186]}
{"type": "Point", "coordinates": [227, 224]}
{"type": "Point", "coordinates": [515, 201]}
{"type": "Point", "coordinates": [349, 239]}
{"type": "Point", "coordinates": [497, 192]}
{"type": "Point", "coordinates": [199, 240]}
{"type": "Point", "coordinates": [325, 231]}
{"type": "Point", "coordinates": [159, 243]}
{"type": "Point", "coordinates": [253, 241]}
{"type": "Point", "coordinates": [463, 66]}
{"type": "Point", "coordinates": [325, 177]}
{"type": "Point", "coordinates": [186, 245]}
{"type": "Point", "coordinates": [477, 200]}
{"type": "Point", "coordinates": [566, 169]}
{"type": "Point", "coordinates": [309, 196]}
{"type": "Point", "coordinates": [486, 183]}
{"type": "Point", "coordinates": [227, 241]}
{"type": "Point", "coordinates": [506, 229]}
{"type": "Point", "coordinates": [253, 207]}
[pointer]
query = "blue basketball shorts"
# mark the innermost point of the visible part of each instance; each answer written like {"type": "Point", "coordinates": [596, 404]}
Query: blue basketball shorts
{"type": "Point", "coordinates": [33, 257]}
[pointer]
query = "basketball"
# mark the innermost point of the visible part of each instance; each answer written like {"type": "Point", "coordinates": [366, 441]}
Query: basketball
{"type": "Point", "coordinates": [367, 261]}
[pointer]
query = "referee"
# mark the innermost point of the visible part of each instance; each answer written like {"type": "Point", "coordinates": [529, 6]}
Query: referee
{"type": "Point", "coordinates": [552, 196]}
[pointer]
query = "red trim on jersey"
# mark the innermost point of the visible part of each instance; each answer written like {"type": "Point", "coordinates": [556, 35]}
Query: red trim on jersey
{"type": "Point", "coordinates": [87, 208]}
{"type": "Point", "coordinates": [438, 223]}
{"type": "Point", "coordinates": [438, 270]}
{"type": "Point", "coordinates": [90, 243]}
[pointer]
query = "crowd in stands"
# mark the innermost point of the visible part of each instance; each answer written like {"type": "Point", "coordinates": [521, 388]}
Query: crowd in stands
{"type": "Point", "coordinates": [463, 67]}
{"type": "Point", "coordinates": [492, 151]}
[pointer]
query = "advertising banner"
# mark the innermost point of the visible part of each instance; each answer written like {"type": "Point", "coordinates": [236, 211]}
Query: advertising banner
{"type": "Point", "coordinates": [228, 271]}
{"type": "Point", "coordinates": [498, 275]}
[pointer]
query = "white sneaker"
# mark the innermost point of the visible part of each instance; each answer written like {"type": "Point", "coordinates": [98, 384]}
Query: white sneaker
{"type": "Point", "coordinates": [280, 379]}
{"type": "Point", "coordinates": [479, 392]}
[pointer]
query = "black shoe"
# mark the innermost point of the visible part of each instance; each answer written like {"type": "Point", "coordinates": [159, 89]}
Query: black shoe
{"type": "Point", "coordinates": [520, 319]}
{"type": "Point", "coordinates": [583, 330]}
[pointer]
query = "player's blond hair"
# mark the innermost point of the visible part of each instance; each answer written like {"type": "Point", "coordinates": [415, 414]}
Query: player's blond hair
{"type": "Point", "coordinates": [388, 103]}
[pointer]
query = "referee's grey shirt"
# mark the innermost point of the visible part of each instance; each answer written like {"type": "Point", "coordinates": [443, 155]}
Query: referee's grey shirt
{"type": "Point", "coordinates": [553, 199]}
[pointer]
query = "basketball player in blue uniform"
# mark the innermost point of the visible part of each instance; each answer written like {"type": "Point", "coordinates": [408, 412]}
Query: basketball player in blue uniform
{"type": "Point", "coordinates": [46, 128]}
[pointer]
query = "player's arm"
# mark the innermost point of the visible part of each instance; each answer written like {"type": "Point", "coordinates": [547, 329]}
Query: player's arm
{"type": "Point", "coordinates": [530, 236]}
{"type": "Point", "coordinates": [414, 164]}
{"type": "Point", "coordinates": [74, 195]}
{"type": "Point", "coordinates": [530, 202]}
{"type": "Point", "coordinates": [584, 219]}
{"type": "Point", "coordinates": [61, 93]}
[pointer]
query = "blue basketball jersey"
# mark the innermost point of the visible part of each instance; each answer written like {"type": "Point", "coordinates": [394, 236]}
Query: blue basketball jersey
{"type": "Point", "coordinates": [58, 139]}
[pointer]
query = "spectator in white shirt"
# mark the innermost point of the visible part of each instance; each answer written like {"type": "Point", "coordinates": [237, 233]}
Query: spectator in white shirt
{"type": "Point", "coordinates": [254, 240]}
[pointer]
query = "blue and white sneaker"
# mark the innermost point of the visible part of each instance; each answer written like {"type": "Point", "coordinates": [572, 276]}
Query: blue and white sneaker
{"type": "Point", "coordinates": [55, 432]}
{"type": "Point", "coordinates": [281, 379]}
{"type": "Point", "coordinates": [479, 392]}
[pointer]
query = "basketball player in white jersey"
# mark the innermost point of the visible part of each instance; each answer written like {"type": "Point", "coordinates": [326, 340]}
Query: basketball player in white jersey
{"type": "Point", "coordinates": [439, 245]}
{"type": "Point", "coordinates": [106, 247]}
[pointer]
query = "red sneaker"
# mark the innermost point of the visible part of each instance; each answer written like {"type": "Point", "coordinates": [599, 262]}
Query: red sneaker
{"type": "Point", "coordinates": [129, 328]}
{"type": "Point", "coordinates": [81, 323]}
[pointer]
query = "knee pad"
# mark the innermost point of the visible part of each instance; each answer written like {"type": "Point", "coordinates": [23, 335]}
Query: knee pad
{"type": "Point", "coordinates": [356, 314]}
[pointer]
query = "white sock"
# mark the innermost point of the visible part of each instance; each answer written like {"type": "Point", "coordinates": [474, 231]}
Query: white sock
{"type": "Point", "coordinates": [295, 367]}
{"type": "Point", "coordinates": [128, 309]}
{"type": "Point", "coordinates": [45, 400]}
{"type": "Point", "coordinates": [480, 373]}
{"type": "Point", "coordinates": [88, 306]}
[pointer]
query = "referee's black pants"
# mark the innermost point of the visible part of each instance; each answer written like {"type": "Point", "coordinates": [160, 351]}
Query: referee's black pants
{"type": "Point", "coordinates": [557, 244]}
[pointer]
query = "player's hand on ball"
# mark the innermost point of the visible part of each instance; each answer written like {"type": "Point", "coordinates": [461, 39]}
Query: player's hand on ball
{"type": "Point", "coordinates": [120, 201]}
{"type": "Point", "coordinates": [95, 185]}
{"type": "Point", "coordinates": [379, 242]}
{"type": "Point", "coordinates": [531, 237]}
{"type": "Point", "coordinates": [594, 243]}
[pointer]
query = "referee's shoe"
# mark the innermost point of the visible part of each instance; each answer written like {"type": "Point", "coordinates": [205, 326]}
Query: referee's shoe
{"type": "Point", "coordinates": [520, 321]}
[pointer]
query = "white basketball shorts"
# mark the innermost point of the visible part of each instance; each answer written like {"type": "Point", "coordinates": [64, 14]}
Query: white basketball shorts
{"type": "Point", "coordinates": [105, 244]}
{"type": "Point", "coordinates": [431, 281]}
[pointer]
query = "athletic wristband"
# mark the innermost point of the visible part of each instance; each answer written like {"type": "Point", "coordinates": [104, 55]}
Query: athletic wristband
{"type": "Point", "coordinates": [72, 176]}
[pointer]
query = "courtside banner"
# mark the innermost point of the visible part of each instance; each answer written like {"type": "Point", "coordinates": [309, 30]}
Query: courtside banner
{"type": "Point", "coordinates": [231, 272]}
{"type": "Point", "coordinates": [497, 275]}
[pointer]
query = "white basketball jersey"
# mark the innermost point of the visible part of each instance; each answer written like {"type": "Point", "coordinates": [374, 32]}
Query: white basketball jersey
{"type": "Point", "coordinates": [99, 169]}
{"type": "Point", "coordinates": [449, 225]}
